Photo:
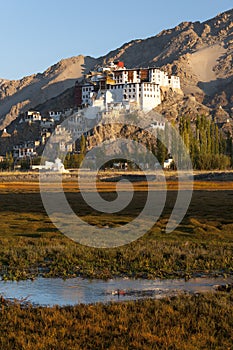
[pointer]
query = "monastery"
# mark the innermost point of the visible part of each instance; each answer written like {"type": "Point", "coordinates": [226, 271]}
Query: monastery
{"type": "Point", "coordinates": [115, 84]}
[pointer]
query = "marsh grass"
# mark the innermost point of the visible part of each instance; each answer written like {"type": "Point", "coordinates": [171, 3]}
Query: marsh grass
{"type": "Point", "coordinates": [30, 245]}
{"type": "Point", "coordinates": [183, 322]}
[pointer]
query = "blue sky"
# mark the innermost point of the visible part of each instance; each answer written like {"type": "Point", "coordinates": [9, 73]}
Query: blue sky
{"type": "Point", "coordinates": [37, 34]}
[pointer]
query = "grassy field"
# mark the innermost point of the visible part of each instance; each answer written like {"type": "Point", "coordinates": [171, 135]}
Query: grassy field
{"type": "Point", "coordinates": [185, 322]}
{"type": "Point", "coordinates": [32, 246]}
{"type": "Point", "coordinates": [202, 244]}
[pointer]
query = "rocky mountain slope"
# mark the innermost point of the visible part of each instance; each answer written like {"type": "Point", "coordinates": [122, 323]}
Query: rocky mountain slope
{"type": "Point", "coordinates": [20, 95]}
{"type": "Point", "coordinates": [199, 53]}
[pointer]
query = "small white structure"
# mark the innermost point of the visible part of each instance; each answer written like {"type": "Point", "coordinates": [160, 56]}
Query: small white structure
{"type": "Point", "coordinates": [158, 124]}
{"type": "Point", "coordinates": [57, 166]}
{"type": "Point", "coordinates": [23, 151]}
{"type": "Point", "coordinates": [32, 116]}
{"type": "Point", "coordinates": [62, 138]}
{"type": "Point", "coordinates": [167, 164]}
{"type": "Point", "coordinates": [56, 116]}
{"type": "Point", "coordinates": [47, 123]}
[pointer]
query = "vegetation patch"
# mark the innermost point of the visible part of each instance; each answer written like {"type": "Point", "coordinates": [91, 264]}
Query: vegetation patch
{"type": "Point", "coordinates": [183, 322]}
{"type": "Point", "coordinates": [31, 246]}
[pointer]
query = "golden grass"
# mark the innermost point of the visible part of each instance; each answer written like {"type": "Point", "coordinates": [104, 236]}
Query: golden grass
{"type": "Point", "coordinates": [185, 322]}
{"type": "Point", "coordinates": [202, 243]}
{"type": "Point", "coordinates": [72, 186]}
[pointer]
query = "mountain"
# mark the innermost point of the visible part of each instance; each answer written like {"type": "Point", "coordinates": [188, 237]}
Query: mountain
{"type": "Point", "coordinates": [199, 53]}
{"type": "Point", "coordinates": [17, 96]}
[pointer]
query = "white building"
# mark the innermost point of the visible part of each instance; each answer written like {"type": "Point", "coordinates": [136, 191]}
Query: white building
{"type": "Point", "coordinates": [47, 123]}
{"type": "Point", "coordinates": [140, 86]}
{"type": "Point", "coordinates": [87, 93]}
{"type": "Point", "coordinates": [23, 151]}
{"type": "Point", "coordinates": [62, 139]}
{"type": "Point", "coordinates": [32, 116]}
{"type": "Point", "coordinates": [167, 163]}
{"type": "Point", "coordinates": [56, 116]}
{"type": "Point", "coordinates": [56, 166]}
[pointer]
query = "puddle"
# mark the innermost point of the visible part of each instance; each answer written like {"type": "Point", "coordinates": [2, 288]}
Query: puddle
{"type": "Point", "coordinates": [56, 291]}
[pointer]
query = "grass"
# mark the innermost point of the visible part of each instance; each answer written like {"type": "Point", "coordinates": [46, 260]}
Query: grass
{"type": "Point", "coordinates": [32, 246]}
{"type": "Point", "coordinates": [203, 243]}
{"type": "Point", "coordinates": [184, 322]}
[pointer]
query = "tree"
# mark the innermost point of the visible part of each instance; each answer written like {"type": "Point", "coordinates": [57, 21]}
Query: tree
{"type": "Point", "coordinates": [83, 144]}
{"type": "Point", "coordinates": [161, 148]}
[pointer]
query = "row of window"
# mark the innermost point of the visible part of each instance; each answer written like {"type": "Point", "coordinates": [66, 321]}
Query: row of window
{"type": "Point", "coordinates": [130, 90]}
{"type": "Point", "coordinates": [87, 88]}
{"type": "Point", "coordinates": [129, 86]}
{"type": "Point", "coordinates": [145, 95]}
{"type": "Point", "coordinates": [152, 95]}
{"type": "Point", "coordinates": [116, 87]}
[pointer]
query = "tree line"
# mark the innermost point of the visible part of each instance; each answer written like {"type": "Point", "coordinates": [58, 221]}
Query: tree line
{"type": "Point", "coordinates": [207, 146]}
{"type": "Point", "coordinates": [203, 141]}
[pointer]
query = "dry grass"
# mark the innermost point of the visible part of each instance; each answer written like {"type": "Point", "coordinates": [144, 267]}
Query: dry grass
{"type": "Point", "coordinates": [185, 322]}
{"type": "Point", "coordinates": [72, 186]}
{"type": "Point", "coordinates": [203, 242]}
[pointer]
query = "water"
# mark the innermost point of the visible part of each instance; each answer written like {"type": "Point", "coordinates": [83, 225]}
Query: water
{"type": "Point", "coordinates": [56, 291]}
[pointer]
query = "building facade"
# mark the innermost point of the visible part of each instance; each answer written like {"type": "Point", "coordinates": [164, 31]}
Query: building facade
{"type": "Point", "coordinates": [115, 83]}
{"type": "Point", "coordinates": [32, 116]}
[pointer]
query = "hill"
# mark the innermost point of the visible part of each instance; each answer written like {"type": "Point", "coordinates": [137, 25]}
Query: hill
{"type": "Point", "coordinates": [17, 96]}
{"type": "Point", "coordinates": [199, 53]}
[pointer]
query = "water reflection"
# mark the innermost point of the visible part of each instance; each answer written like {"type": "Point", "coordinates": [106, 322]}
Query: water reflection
{"type": "Point", "coordinates": [56, 291]}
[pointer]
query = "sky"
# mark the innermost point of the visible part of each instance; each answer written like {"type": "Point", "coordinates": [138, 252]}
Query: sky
{"type": "Point", "coordinates": [36, 34]}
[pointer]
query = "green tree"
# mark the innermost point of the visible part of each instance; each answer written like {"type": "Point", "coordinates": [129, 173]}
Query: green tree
{"type": "Point", "coordinates": [161, 148]}
{"type": "Point", "coordinates": [83, 144]}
